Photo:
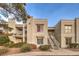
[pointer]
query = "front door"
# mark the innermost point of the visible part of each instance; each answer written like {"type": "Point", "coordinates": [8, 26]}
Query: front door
{"type": "Point", "coordinates": [68, 41]}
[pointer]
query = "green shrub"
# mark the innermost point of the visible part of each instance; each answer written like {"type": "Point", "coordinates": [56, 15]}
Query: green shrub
{"type": "Point", "coordinates": [3, 51]}
{"type": "Point", "coordinates": [44, 47]}
{"type": "Point", "coordinates": [26, 48]}
{"type": "Point", "coordinates": [73, 45]}
{"type": "Point", "coordinates": [4, 39]}
{"type": "Point", "coordinates": [9, 44]}
{"type": "Point", "coordinates": [16, 45]}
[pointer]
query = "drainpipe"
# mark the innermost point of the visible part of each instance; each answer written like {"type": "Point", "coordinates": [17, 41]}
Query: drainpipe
{"type": "Point", "coordinates": [75, 31]}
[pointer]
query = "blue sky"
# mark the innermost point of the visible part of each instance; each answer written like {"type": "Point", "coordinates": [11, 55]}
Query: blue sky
{"type": "Point", "coordinates": [52, 11]}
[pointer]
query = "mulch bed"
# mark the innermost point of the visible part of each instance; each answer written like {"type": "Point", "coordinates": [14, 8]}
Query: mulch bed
{"type": "Point", "coordinates": [12, 51]}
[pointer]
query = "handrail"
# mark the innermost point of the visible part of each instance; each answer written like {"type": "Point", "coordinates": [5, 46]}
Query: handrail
{"type": "Point", "coordinates": [55, 42]}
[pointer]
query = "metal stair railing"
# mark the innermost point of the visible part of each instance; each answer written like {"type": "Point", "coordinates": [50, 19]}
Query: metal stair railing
{"type": "Point", "coordinates": [55, 41]}
{"type": "Point", "coordinates": [51, 43]}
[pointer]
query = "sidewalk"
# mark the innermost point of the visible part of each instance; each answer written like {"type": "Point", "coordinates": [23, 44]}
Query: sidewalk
{"type": "Point", "coordinates": [49, 53]}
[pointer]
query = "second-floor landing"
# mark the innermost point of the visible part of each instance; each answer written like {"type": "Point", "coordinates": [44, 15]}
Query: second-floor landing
{"type": "Point", "coordinates": [51, 30]}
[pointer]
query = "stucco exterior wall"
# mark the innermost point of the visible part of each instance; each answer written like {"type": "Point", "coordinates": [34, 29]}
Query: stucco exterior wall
{"type": "Point", "coordinates": [32, 33]}
{"type": "Point", "coordinates": [63, 34]}
{"type": "Point", "coordinates": [58, 31]}
{"type": "Point", "coordinates": [77, 29]}
{"type": "Point", "coordinates": [29, 31]}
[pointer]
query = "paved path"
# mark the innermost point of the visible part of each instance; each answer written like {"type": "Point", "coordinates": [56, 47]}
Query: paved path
{"type": "Point", "coordinates": [49, 53]}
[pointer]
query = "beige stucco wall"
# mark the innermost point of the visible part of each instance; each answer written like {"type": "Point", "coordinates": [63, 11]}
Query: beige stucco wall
{"type": "Point", "coordinates": [32, 31]}
{"type": "Point", "coordinates": [77, 29]}
{"type": "Point", "coordinates": [29, 31]}
{"type": "Point", "coordinates": [60, 32]}
{"type": "Point", "coordinates": [63, 34]}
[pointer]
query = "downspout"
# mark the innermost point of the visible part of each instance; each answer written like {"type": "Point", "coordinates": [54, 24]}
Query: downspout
{"type": "Point", "coordinates": [75, 32]}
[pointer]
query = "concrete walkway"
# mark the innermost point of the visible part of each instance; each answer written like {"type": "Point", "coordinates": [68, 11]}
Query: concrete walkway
{"type": "Point", "coordinates": [49, 53]}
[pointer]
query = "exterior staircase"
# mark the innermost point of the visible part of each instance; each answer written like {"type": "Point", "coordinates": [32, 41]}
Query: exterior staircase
{"type": "Point", "coordinates": [53, 42]}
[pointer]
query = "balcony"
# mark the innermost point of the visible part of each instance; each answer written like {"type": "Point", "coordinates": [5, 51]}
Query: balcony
{"type": "Point", "coordinates": [19, 35]}
{"type": "Point", "coordinates": [20, 26]}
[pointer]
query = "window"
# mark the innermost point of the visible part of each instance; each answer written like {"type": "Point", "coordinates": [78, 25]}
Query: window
{"type": "Point", "coordinates": [68, 40]}
{"type": "Point", "coordinates": [39, 27]}
{"type": "Point", "coordinates": [39, 40]}
{"type": "Point", "coordinates": [68, 28]}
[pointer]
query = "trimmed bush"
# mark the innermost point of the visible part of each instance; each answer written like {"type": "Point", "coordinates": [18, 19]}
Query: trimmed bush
{"type": "Point", "coordinates": [9, 44]}
{"type": "Point", "coordinates": [33, 46]}
{"type": "Point", "coordinates": [44, 47]}
{"type": "Point", "coordinates": [26, 48]}
{"type": "Point", "coordinates": [4, 39]}
{"type": "Point", "coordinates": [3, 51]}
{"type": "Point", "coordinates": [74, 45]}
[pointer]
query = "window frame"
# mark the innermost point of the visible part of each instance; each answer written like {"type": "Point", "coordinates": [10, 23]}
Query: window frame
{"type": "Point", "coordinates": [67, 29]}
{"type": "Point", "coordinates": [40, 27]}
{"type": "Point", "coordinates": [68, 40]}
{"type": "Point", "coordinates": [41, 40]}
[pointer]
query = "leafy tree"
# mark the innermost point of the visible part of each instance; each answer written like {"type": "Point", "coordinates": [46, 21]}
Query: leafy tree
{"type": "Point", "coordinates": [18, 10]}
{"type": "Point", "coordinates": [4, 39]}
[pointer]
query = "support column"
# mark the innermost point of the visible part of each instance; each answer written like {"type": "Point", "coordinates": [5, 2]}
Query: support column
{"type": "Point", "coordinates": [23, 32]}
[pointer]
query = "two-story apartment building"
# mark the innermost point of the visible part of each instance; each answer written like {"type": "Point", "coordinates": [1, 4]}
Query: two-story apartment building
{"type": "Point", "coordinates": [36, 31]}
{"type": "Point", "coordinates": [67, 31]}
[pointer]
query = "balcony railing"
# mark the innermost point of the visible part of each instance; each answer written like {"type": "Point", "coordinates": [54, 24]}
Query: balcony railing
{"type": "Point", "coordinates": [20, 35]}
